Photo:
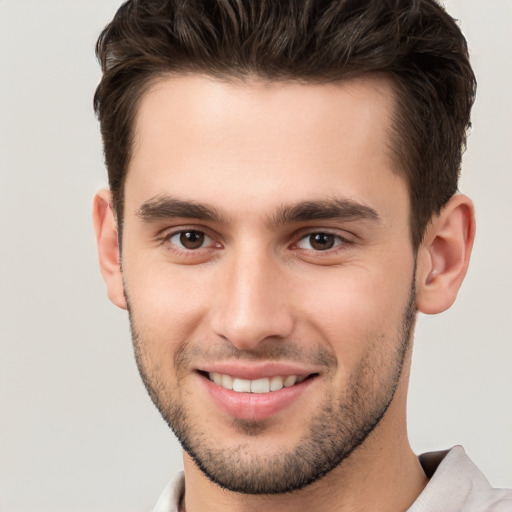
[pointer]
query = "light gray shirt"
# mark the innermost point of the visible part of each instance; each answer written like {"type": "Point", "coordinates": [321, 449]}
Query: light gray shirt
{"type": "Point", "coordinates": [455, 485]}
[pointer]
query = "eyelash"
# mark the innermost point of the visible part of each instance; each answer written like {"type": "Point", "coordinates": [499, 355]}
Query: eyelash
{"type": "Point", "coordinates": [340, 242]}
{"type": "Point", "coordinates": [166, 239]}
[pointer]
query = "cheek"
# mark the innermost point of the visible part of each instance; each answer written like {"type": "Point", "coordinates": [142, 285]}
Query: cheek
{"type": "Point", "coordinates": [356, 311]}
{"type": "Point", "coordinates": [166, 306]}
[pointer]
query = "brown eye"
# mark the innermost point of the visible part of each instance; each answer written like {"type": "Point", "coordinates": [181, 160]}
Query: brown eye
{"type": "Point", "coordinates": [190, 239]}
{"type": "Point", "coordinates": [320, 241]}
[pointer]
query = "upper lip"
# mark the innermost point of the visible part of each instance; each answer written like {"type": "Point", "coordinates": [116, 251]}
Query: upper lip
{"type": "Point", "coordinates": [256, 370]}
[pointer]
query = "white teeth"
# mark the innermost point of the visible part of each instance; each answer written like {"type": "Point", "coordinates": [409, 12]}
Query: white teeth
{"type": "Point", "coordinates": [290, 381]}
{"type": "Point", "coordinates": [276, 383]}
{"type": "Point", "coordinates": [263, 385]}
{"type": "Point", "coordinates": [242, 385]}
{"type": "Point", "coordinates": [260, 386]}
{"type": "Point", "coordinates": [226, 382]}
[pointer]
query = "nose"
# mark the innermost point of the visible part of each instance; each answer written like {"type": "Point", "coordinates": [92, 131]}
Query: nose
{"type": "Point", "coordinates": [252, 305]}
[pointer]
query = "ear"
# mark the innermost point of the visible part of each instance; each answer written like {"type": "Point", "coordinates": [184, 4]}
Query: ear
{"type": "Point", "coordinates": [105, 226]}
{"type": "Point", "coordinates": [443, 256]}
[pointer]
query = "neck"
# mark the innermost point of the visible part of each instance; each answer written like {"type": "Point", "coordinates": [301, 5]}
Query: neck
{"type": "Point", "coordinates": [382, 474]}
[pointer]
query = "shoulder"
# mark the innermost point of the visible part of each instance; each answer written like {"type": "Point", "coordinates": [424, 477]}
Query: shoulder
{"type": "Point", "coordinates": [497, 500]}
{"type": "Point", "coordinates": [457, 485]}
{"type": "Point", "coordinates": [170, 498]}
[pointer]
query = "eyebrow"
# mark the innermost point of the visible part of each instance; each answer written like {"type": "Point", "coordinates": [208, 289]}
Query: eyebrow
{"type": "Point", "coordinates": [343, 209]}
{"type": "Point", "coordinates": [168, 207]}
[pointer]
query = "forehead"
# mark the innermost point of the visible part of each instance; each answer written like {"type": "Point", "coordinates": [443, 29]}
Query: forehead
{"type": "Point", "coordinates": [262, 143]}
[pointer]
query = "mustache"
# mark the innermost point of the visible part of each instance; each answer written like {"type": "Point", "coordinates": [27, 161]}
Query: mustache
{"type": "Point", "coordinates": [190, 354]}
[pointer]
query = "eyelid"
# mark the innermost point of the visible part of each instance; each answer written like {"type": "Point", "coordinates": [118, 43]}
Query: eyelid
{"type": "Point", "coordinates": [345, 240]}
{"type": "Point", "coordinates": [165, 235]}
{"type": "Point", "coordinates": [342, 234]}
{"type": "Point", "coordinates": [206, 240]}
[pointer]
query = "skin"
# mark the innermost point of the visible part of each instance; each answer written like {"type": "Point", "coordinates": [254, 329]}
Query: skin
{"type": "Point", "coordinates": [257, 290]}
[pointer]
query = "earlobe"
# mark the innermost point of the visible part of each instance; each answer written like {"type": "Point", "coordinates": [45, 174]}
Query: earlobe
{"type": "Point", "coordinates": [443, 256]}
{"type": "Point", "coordinates": [105, 226]}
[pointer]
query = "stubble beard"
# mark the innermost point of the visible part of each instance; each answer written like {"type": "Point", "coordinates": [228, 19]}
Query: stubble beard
{"type": "Point", "coordinates": [342, 424]}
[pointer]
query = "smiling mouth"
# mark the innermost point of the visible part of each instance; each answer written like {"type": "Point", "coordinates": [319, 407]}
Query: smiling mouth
{"type": "Point", "coordinates": [262, 385]}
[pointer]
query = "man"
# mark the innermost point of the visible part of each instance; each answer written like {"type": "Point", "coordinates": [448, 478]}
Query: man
{"type": "Point", "coordinates": [283, 201]}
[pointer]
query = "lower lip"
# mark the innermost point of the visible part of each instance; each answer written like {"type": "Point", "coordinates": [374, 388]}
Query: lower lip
{"type": "Point", "coordinates": [255, 406]}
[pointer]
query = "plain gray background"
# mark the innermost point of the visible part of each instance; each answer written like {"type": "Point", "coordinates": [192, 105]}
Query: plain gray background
{"type": "Point", "coordinates": [77, 431]}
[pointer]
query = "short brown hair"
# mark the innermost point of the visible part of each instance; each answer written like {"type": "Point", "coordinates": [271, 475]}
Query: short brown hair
{"type": "Point", "coordinates": [414, 42]}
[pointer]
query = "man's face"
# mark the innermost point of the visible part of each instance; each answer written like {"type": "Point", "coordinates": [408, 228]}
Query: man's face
{"type": "Point", "coordinates": [266, 247]}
